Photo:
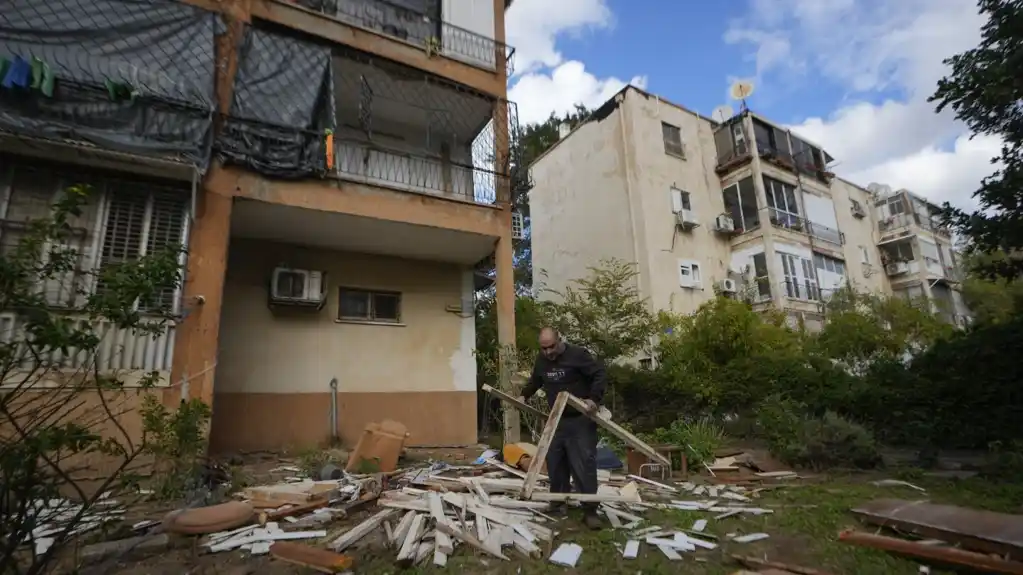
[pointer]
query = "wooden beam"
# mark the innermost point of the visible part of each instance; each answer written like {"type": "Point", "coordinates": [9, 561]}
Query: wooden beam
{"type": "Point", "coordinates": [513, 401]}
{"type": "Point", "coordinates": [621, 433]}
{"type": "Point", "coordinates": [544, 445]}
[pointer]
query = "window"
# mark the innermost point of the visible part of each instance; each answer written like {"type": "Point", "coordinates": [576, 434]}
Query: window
{"type": "Point", "coordinates": [646, 363]}
{"type": "Point", "coordinates": [761, 276]}
{"type": "Point", "coordinates": [829, 264]}
{"type": "Point", "coordinates": [730, 141]}
{"type": "Point", "coordinates": [896, 205]}
{"type": "Point", "coordinates": [772, 141]}
{"type": "Point", "coordinates": [741, 204]}
{"type": "Point", "coordinates": [929, 251]}
{"type": "Point", "coordinates": [365, 305]}
{"type": "Point", "coordinates": [689, 274]}
{"type": "Point", "coordinates": [782, 203]}
{"type": "Point", "coordinates": [672, 136]}
{"type": "Point", "coordinates": [800, 279]}
{"type": "Point", "coordinates": [141, 221]}
{"type": "Point", "coordinates": [680, 200]}
{"type": "Point", "coordinates": [900, 251]}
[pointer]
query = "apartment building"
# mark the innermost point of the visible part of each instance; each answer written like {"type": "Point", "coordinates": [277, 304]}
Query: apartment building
{"type": "Point", "coordinates": [742, 207]}
{"type": "Point", "coordinates": [336, 169]}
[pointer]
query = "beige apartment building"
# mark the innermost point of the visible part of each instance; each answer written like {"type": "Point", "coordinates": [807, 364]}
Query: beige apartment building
{"type": "Point", "coordinates": [741, 207]}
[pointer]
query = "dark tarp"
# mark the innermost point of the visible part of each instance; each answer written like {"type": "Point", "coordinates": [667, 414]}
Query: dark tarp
{"type": "Point", "coordinates": [282, 108]}
{"type": "Point", "coordinates": [156, 55]}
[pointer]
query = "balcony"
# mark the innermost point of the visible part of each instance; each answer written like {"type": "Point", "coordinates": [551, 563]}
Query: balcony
{"type": "Point", "coordinates": [732, 144]}
{"type": "Point", "coordinates": [792, 222]}
{"type": "Point", "coordinates": [338, 113]}
{"type": "Point", "coordinates": [422, 24]}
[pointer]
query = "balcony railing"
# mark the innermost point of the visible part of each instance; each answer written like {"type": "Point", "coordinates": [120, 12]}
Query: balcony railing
{"type": "Point", "coordinates": [364, 163]}
{"type": "Point", "coordinates": [892, 223]}
{"type": "Point", "coordinates": [786, 220]}
{"type": "Point", "coordinates": [421, 28]}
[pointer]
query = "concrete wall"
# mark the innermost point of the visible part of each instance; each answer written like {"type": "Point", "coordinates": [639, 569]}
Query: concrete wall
{"type": "Point", "coordinates": [274, 367]}
{"type": "Point", "coordinates": [860, 234]}
{"type": "Point", "coordinates": [579, 205]}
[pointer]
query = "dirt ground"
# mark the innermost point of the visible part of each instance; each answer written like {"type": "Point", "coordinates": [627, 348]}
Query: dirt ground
{"type": "Point", "coordinates": [807, 517]}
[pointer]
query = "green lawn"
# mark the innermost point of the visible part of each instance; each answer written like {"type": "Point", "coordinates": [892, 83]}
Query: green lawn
{"type": "Point", "coordinates": [803, 529]}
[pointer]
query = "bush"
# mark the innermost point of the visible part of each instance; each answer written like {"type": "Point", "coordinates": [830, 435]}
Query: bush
{"type": "Point", "coordinates": [700, 438]}
{"type": "Point", "coordinates": [803, 440]}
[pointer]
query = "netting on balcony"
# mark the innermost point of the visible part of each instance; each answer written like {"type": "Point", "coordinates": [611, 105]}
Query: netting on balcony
{"type": "Point", "coordinates": [136, 77]}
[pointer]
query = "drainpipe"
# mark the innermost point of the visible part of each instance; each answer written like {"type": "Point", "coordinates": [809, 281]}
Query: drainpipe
{"type": "Point", "coordinates": [626, 155]}
{"type": "Point", "coordinates": [333, 411]}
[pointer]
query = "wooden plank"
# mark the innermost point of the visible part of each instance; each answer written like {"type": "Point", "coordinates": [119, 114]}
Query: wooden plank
{"type": "Point", "coordinates": [529, 485]}
{"type": "Point", "coordinates": [947, 555]}
{"type": "Point", "coordinates": [362, 529]}
{"type": "Point", "coordinates": [312, 557]}
{"type": "Point", "coordinates": [444, 544]}
{"type": "Point", "coordinates": [513, 401]}
{"type": "Point", "coordinates": [604, 421]}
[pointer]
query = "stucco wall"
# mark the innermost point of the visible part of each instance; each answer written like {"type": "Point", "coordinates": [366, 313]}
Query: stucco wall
{"type": "Point", "coordinates": [421, 371]}
{"type": "Point", "coordinates": [859, 233]}
{"type": "Point", "coordinates": [579, 210]}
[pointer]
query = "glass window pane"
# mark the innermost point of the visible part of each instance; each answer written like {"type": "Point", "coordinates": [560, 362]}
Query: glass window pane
{"type": "Point", "coordinates": [748, 196]}
{"type": "Point", "coordinates": [354, 304]}
{"type": "Point", "coordinates": [385, 307]}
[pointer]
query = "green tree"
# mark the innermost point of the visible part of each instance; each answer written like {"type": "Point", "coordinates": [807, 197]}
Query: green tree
{"type": "Point", "coordinates": [984, 91]}
{"type": "Point", "coordinates": [58, 420]}
{"type": "Point", "coordinates": [990, 299]}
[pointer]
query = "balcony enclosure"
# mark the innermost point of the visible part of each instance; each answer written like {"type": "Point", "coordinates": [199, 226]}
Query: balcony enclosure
{"type": "Point", "coordinates": [406, 130]}
{"type": "Point", "coordinates": [458, 29]}
{"type": "Point", "coordinates": [903, 209]}
{"type": "Point", "coordinates": [794, 154]}
{"type": "Point", "coordinates": [732, 143]}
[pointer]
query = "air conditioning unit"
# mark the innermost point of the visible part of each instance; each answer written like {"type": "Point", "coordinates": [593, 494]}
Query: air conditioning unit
{"type": "Point", "coordinates": [686, 219]}
{"type": "Point", "coordinates": [727, 286]}
{"type": "Point", "coordinates": [518, 226]}
{"type": "Point", "coordinates": [299, 288]}
{"type": "Point", "coordinates": [858, 211]}
{"type": "Point", "coordinates": [724, 224]}
{"type": "Point", "coordinates": [896, 268]}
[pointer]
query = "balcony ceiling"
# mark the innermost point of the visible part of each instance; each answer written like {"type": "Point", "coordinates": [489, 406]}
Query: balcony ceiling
{"type": "Point", "coordinates": [331, 230]}
{"type": "Point", "coordinates": [409, 104]}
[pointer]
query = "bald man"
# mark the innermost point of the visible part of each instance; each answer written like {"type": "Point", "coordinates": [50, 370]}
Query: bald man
{"type": "Point", "coordinates": [572, 456]}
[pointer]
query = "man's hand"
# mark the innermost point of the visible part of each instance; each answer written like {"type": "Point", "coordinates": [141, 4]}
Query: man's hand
{"type": "Point", "coordinates": [591, 406]}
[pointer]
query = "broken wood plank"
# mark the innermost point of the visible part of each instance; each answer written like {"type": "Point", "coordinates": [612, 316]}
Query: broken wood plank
{"type": "Point", "coordinates": [948, 555]}
{"type": "Point", "coordinates": [584, 497]}
{"type": "Point", "coordinates": [621, 433]}
{"type": "Point", "coordinates": [468, 539]}
{"type": "Point", "coordinates": [444, 544]}
{"type": "Point", "coordinates": [311, 557]}
{"type": "Point", "coordinates": [529, 485]}
{"type": "Point", "coordinates": [402, 529]}
{"type": "Point", "coordinates": [361, 530]}
{"type": "Point", "coordinates": [785, 567]}
{"type": "Point", "coordinates": [514, 401]}
{"type": "Point", "coordinates": [410, 546]}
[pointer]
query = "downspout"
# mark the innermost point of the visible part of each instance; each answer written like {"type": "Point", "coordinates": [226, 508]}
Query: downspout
{"type": "Point", "coordinates": [333, 411]}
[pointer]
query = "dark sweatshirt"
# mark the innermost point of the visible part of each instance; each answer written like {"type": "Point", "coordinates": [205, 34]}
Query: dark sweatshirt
{"type": "Point", "coordinates": [574, 371]}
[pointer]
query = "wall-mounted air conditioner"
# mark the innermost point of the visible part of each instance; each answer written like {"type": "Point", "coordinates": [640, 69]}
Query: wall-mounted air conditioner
{"type": "Point", "coordinates": [896, 268]}
{"type": "Point", "coordinates": [686, 219]}
{"type": "Point", "coordinates": [727, 286]}
{"type": "Point", "coordinates": [724, 224]}
{"type": "Point", "coordinates": [857, 210]}
{"type": "Point", "coordinates": [298, 288]}
{"type": "Point", "coordinates": [518, 226]}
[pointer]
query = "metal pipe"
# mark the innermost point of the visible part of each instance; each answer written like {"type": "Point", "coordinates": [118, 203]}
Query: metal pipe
{"type": "Point", "coordinates": [333, 411]}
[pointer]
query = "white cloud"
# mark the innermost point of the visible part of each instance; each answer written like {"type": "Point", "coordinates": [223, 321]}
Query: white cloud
{"type": "Point", "coordinates": [545, 81]}
{"type": "Point", "coordinates": [540, 94]}
{"type": "Point", "coordinates": [869, 47]}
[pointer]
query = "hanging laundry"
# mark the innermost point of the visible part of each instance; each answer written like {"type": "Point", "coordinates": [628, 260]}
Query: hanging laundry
{"type": "Point", "coordinates": [42, 77]}
{"type": "Point", "coordinates": [18, 74]}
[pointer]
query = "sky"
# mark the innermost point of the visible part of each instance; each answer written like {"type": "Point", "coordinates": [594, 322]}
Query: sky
{"type": "Point", "coordinates": [853, 76]}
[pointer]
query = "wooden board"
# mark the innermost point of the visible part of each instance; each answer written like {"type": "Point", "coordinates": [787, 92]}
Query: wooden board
{"type": "Point", "coordinates": [513, 401]}
{"type": "Point", "coordinates": [312, 557]}
{"type": "Point", "coordinates": [545, 444]}
{"type": "Point", "coordinates": [631, 440]}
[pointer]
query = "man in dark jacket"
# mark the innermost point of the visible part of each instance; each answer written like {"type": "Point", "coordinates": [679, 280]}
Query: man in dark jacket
{"type": "Point", "coordinates": [572, 456]}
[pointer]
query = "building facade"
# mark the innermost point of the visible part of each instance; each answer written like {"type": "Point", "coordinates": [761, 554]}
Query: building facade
{"type": "Point", "coordinates": [741, 206]}
{"type": "Point", "coordinates": [336, 171]}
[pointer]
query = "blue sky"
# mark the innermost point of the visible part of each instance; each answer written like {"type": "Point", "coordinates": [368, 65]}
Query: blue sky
{"type": "Point", "coordinates": [852, 75]}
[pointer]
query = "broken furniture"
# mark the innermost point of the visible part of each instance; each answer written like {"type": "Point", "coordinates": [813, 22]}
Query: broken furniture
{"type": "Point", "coordinates": [640, 464]}
{"type": "Point", "coordinates": [379, 448]}
{"type": "Point", "coordinates": [202, 520]}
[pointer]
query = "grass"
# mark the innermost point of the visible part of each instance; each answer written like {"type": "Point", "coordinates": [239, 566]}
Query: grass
{"type": "Point", "coordinates": [803, 530]}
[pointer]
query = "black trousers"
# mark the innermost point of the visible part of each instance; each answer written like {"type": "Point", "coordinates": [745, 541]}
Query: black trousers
{"type": "Point", "coordinates": [572, 457]}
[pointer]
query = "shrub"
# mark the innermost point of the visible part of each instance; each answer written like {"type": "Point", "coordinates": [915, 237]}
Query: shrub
{"type": "Point", "coordinates": [700, 438]}
{"type": "Point", "coordinates": [803, 440]}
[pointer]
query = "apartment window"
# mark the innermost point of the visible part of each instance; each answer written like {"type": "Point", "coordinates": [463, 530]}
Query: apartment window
{"type": "Point", "coordinates": [689, 275]}
{"type": "Point", "coordinates": [807, 157]}
{"type": "Point", "coordinates": [761, 276]}
{"type": "Point", "coordinates": [771, 141]}
{"type": "Point", "coordinates": [366, 305]}
{"type": "Point", "coordinates": [680, 200]}
{"type": "Point", "coordinates": [782, 203]}
{"type": "Point", "coordinates": [929, 251]}
{"type": "Point", "coordinates": [741, 203]}
{"type": "Point", "coordinates": [730, 141]}
{"type": "Point", "coordinates": [896, 205]}
{"type": "Point", "coordinates": [901, 251]}
{"type": "Point", "coordinates": [829, 264]}
{"type": "Point", "coordinates": [672, 136]}
{"type": "Point", "coordinates": [646, 363]}
{"type": "Point", "coordinates": [800, 278]}
{"type": "Point", "coordinates": [142, 221]}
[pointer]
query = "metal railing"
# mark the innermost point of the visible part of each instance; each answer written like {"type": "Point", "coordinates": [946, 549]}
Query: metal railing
{"type": "Point", "coordinates": [365, 163]}
{"type": "Point", "coordinates": [789, 221]}
{"type": "Point", "coordinates": [425, 29]}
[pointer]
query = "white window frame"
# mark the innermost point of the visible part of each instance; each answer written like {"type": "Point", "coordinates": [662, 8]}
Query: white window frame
{"type": "Point", "coordinates": [680, 200]}
{"type": "Point", "coordinates": [690, 274]}
{"type": "Point", "coordinates": [800, 279]}
{"type": "Point", "coordinates": [789, 215]}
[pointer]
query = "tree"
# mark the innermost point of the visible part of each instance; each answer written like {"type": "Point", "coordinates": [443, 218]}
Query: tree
{"type": "Point", "coordinates": [991, 300]}
{"type": "Point", "coordinates": [58, 421]}
{"type": "Point", "coordinates": [984, 90]}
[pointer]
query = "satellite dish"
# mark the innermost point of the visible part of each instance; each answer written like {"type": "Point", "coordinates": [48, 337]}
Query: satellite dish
{"type": "Point", "coordinates": [741, 90]}
{"type": "Point", "coordinates": [722, 113]}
